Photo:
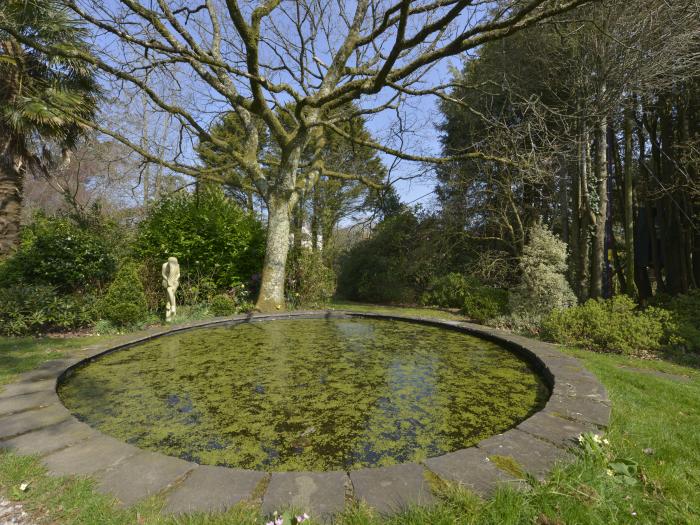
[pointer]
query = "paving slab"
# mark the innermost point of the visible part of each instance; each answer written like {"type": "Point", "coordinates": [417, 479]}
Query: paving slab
{"type": "Point", "coordinates": [557, 430]}
{"type": "Point", "coordinates": [535, 456]}
{"type": "Point", "coordinates": [50, 439]}
{"type": "Point", "coordinates": [471, 468]}
{"type": "Point", "coordinates": [28, 387]}
{"type": "Point", "coordinates": [579, 408]}
{"type": "Point", "coordinates": [89, 456]}
{"type": "Point", "coordinates": [212, 489]}
{"type": "Point", "coordinates": [48, 370]}
{"type": "Point", "coordinates": [16, 424]}
{"type": "Point", "coordinates": [580, 385]}
{"type": "Point", "coordinates": [15, 404]}
{"type": "Point", "coordinates": [390, 489]}
{"type": "Point", "coordinates": [319, 494]}
{"type": "Point", "coordinates": [142, 475]}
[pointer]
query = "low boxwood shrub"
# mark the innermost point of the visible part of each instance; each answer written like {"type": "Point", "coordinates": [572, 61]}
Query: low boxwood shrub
{"type": "Point", "coordinates": [223, 305]}
{"type": "Point", "coordinates": [34, 309]}
{"type": "Point", "coordinates": [125, 304]}
{"type": "Point", "coordinates": [613, 325]}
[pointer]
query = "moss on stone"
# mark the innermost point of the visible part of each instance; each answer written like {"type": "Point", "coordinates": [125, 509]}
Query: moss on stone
{"type": "Point", "coordinates": [508, 464]}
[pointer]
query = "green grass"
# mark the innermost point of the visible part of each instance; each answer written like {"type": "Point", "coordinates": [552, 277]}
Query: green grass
{"type": "Point", "coordinates": [649, 412]}
{"type": "Point", "coordinates": [398, 310]}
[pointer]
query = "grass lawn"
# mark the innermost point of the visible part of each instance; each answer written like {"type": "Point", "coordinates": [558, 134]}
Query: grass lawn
{"type": "Point", "coordinates": [655, 425]}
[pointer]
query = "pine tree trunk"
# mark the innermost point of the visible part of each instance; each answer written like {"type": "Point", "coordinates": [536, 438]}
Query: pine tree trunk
{"type": "Point", "coordinates": [271, 296]}
{"type": "Point", "coordinates": [11, 181]}
{"type": "Point", "coordinates": [600, 172]}
{"type": "Point", "coordinates": [628, 193]}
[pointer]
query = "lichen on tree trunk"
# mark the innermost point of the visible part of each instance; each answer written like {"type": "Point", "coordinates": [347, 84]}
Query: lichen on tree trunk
{"type": "Point", "coordinates": [271, 297]}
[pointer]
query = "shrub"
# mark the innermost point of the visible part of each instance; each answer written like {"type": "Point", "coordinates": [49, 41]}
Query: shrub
{"type": "Point", "coordinates": [476, 301]}
{"type": "Point", "coordinates": [208, 233]}
{"type": "Point", "coordinates": [222, 305]}
{"type": "Point", "coordinates": [612, 325]}
{"type": "Point", "coordinates": [484, 303]}
{"type": "Point", "coordinates": [124, 304]}
{"type": "Point", "coordinates": [685, 311]}
{"type": "Point", "coordinates": [32, 309]}
{"type": "Point", "coordinates": [543, 286]}
{"type": "Point", "coordinates": [392, 266]}
{"type": "Point", "coordinates": [62, 254]}
{"type": "Point", "coordinates": [310, 283]}
{"type": "Point", "coordinates": [449, 291]}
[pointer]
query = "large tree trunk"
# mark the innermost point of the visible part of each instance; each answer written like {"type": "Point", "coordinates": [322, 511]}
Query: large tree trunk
{"type": "Point", "coordinates": [12, 173]}
{"type": "Point", "coordinates": [599, 262]}
{"type": "Point", "coordinates": [271, 296]}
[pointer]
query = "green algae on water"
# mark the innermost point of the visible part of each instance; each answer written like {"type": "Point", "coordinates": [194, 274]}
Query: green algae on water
{"type": "Point", "coordinates": [306, 394]}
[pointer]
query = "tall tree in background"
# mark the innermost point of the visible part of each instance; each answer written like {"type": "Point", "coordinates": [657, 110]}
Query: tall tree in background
{"type": "Point", "coordinates": [610, 104]}
{"type": "Point", "coordinates": [43, 99]}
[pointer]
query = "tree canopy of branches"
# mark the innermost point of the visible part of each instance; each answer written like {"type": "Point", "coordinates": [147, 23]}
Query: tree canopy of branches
{"type": "Point", "coordinates": [302, 58]}
{"type": "Point", "coordinates": [44, 98]}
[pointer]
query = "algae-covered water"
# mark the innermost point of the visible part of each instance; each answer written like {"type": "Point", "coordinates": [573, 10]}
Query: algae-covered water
{"type": "Point", "coordinates": [306, 394]}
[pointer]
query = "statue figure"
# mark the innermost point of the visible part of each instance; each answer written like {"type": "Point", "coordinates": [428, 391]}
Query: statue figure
{"type": "Point", "coordinates": [171, 280]}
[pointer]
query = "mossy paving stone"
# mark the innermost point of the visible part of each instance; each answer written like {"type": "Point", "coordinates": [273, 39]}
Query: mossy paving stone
{"type": "Point", "coordinates": [580, 385]}
{"type": "Point", "coordinates": [557, 430]}
{"type": "Point", "coordinates": [212, 489]}
{"type": "Point", "coordinates": [390, 489]}
{"type": "Point", "coordinates": [21, 403]}
{"type": "Point", "coordinates": [16, 424]}
{"type": "Point", "coordinates": [581, 409]}
{"type": "Point", "coordinates": [48, 370]}
{"type": "Point", "coordinates": [470, 468]}
{"type": "Point", "coordinates": [50, 439]}
{"type": "Point", "coordinates": [89, 456]}
{"type": "Point", "coordinates": [142, 475]}
{"type": "Point", "coordinates": [319, 494]}
{"type": "Point", "coordinates": [532, 454]}
{"type": "Point", "coordinates": [28, 387]}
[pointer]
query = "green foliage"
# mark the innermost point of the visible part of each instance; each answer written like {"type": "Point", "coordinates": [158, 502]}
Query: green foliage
{"type": "Point", "coordinates": [208, 233]}
{"type": "Point", "coordinates": [484, 303]}
{"type": "Point", "coordinates": [310, 282]}
{"type": "Point", "coordinates": [58, 252]}
{"type": "Point", "coordinates": [448, 291]}
{"type": "Point", "coordinates": [31, 309]}
{"type": "Point", "coordinates": [612, 325]}
{"type": "Point", "coordinates": [476, 301]}
{"type": "Point", "coordinates": [397, 263]}
{"type": "Point", "coordinates": [685, 311]}
{"type": "Point", "coordinates": [57, 91]}
{"type": "Point", "coordinates": [125, 304]}
{"type": "Point", "coordinates": [222, 305]}
{"type": "Point", "coordinates": [543, 286]}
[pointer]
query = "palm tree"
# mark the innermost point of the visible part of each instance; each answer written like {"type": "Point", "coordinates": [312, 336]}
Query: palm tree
{"type": "Point", "coordinates": [44, 99]}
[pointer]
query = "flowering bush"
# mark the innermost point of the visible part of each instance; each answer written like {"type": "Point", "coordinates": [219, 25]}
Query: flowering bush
{"type": "Point", "coordinates": [543, 286]}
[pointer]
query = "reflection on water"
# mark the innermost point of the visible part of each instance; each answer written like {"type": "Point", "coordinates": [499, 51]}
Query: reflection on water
{"type": "Point", "coordinates": [312, 394]}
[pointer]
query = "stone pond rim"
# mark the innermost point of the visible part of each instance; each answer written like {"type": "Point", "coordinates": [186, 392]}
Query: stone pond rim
{"type": "Point", "coordinates": [34, 421]}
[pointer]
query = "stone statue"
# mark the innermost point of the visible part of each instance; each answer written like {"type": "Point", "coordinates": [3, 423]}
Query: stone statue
{"type": "Point", "coordinates": [171, 280]}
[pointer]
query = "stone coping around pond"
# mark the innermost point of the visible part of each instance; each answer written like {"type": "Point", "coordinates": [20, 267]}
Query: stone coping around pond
{"type": "Point", "coordinates": [34, 421]}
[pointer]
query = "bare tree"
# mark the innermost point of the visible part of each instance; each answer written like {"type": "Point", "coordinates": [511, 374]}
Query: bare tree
{"type": "Point", "coordinates": [301, 58]}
